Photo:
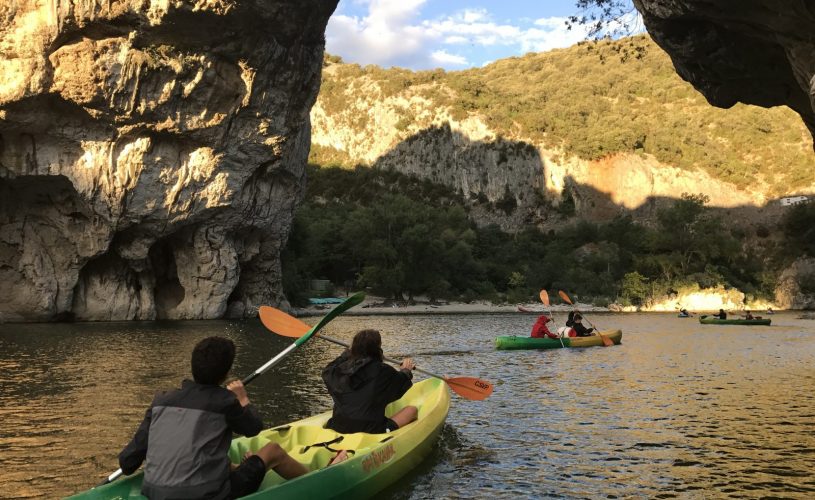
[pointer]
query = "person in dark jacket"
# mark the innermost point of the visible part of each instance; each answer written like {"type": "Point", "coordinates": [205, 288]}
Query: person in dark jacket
{"type": "Point", "coordinates": [185, 435]}
{"type": "Point", "coordinates": [575, 321]}
{"type": "Point", "coordinates": [721, 314]}
{"type": "Point", "coordinates": [362, 385]}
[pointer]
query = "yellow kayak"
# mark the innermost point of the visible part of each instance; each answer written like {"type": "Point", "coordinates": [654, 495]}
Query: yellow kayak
{"type": "Point", "coordinates": [377, 461]}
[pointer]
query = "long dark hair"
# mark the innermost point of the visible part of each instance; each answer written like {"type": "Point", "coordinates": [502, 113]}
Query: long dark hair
{"type": "Point", "coordinates": [367, 344]}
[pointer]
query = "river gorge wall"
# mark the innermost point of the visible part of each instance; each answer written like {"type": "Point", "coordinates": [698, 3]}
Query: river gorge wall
{"type": "Point", "coordinates": [151, 154]}
{"type": "Point", "coordinates": [511, 179]}
{"type": "Point", "coordinates": [752, 51]}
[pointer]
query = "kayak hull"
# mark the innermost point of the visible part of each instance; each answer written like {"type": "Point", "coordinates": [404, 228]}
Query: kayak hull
{"type": "Point", "coordinates": [507, 342]}
{"type": "Point", "coordinates": [378, 460]}
{"type": "Point", "coordinates": [743, 322]}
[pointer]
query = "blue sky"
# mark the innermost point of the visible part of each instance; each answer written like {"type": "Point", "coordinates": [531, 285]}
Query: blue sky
{"type": "Point", "coordinates": [451, 34]}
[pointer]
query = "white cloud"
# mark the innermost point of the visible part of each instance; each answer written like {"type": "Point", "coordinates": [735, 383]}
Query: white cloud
{"type": "Point", "coordinates": [445, 58]}
{"type": "Point", "coordinates": [393, 34]}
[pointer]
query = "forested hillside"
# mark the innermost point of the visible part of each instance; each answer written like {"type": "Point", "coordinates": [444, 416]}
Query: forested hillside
{"type": "Point", "coordinates": [579, 120]}
{"type": "Point", "coordinates": [401, 237]}
{"type": "Point", "coordinates": [584, 101]}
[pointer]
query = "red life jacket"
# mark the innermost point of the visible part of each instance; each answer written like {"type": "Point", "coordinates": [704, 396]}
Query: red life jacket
{"type": "Point", "coordinates": [539, 329]}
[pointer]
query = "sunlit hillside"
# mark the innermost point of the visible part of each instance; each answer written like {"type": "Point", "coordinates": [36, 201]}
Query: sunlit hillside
{"type": "Point", "coordinates": [587, 102]}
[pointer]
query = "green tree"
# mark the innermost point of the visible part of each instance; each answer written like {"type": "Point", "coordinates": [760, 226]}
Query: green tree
{"type": "Point", "coordinates": [634, 288]}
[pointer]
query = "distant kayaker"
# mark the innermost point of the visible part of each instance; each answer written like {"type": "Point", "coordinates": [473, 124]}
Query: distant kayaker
{"type": "Point", "coordinates": [575, 321]}
{"type": "Point", "coordinates": [748, 315]}
{"type": "Point", "coordinates": [770, 310]}
{"type": "Point", "coordinates": [186, 433]}
{"type": "Point", "coordinates": [684, 312]}
{"type": "Point", "coordinates": [721, 314]}
{"type": "Point", "coordinates": [540, 330]}
{"type": "Point", "coordinates": [362, 385]}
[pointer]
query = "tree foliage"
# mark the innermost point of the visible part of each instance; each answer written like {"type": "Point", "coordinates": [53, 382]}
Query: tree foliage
{"type": "Point", "coordinates": [356, 227]}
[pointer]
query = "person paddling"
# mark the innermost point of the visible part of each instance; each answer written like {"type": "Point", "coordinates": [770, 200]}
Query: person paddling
{"type": "Point", "coordinates": [540, 330]}
{"type": "Point", "coordinates": [721, 314]}
{"type": "Point", "coordinates": [362, 385]}
{"type": "Point", "coordinates": [575, 321]}
{"type": "Point", "coordinates": [186, 433]}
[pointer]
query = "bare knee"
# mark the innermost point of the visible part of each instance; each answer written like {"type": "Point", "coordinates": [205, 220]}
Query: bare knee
{"type": "Point", "coordinates": [405, 416]}
{"type": "Point", "coordinates": [271, 454]}
{"type": "Point", "coordinates": [412, 412]}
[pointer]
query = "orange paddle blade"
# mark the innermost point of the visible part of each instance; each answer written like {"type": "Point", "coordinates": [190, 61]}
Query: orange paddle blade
{"type": "Point", "coordinates": [544, 297]}
{"type": "Point", "coordinates": [470, 387]}
{"type": "Point", "coordinates": [606, 341]}
{"type": "Point", "coordinates": [564, 297]}
{"type": "Point", "coordinates": [282, 323]}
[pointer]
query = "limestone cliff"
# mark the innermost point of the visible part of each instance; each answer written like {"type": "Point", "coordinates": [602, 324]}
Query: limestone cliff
{"type": "Point", "coordinates": [151, 153]}
{"type": "Point", "coordinates": [796, 285]}
{"type": "Point", "coordinates": [753, 51]}
{"type": "Point", "coordinates": [524, 135]}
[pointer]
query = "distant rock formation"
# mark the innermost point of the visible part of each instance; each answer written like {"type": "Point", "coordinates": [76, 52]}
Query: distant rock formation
{"type": "Point", "coordinates": [151, 153]}
{"type": "Point", "coordinates": [758, 52]}
{"type": "Point", "coordinates": [794, 289]}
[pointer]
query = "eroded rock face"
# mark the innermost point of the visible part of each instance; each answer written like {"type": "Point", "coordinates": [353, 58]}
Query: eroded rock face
{"type": "Point", "coordinates": [151, 153]}
{"type": "Point", "coordinates": [758, 52]}
{"type": "Point", "coordinates": [794, 289]}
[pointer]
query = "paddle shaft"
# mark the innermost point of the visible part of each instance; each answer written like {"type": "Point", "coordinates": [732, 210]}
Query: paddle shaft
{"type": "Point", "coordinates": [257, 373]}
{"type": "Point", "coordinates": [346, 304]}
{"type": "Point", "coordinates": [544, 296]}
{"type": "Point", "coordinates": [389, 360]}
{"type": "Point", "coordinates": [606, 341]}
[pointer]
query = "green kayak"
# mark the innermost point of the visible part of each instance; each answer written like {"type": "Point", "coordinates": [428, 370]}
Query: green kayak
{"type": "Point", "coordinates": [709, 320]}
{"type": "Point", "coordinates": [513, 342]}
{"type": "Point", "coordinates": [378, 460]}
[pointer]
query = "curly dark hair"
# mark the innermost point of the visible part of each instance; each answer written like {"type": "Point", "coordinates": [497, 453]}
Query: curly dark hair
{"type": "Point", "coordinates": [212, 359]}
{"type": "Point", "coordinates": [367, 344]}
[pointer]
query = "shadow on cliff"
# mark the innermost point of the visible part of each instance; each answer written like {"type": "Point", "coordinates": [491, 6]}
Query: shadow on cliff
{"type": "Point", "coordinates": [505, 182]}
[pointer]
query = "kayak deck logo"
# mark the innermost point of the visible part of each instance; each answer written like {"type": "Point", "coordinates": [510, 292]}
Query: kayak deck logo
{"type": "Point", "coordinates": [377, 458]}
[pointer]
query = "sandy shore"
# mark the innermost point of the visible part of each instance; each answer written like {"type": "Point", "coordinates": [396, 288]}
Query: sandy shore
{"type": "Point", "coordinates": [377, 306]}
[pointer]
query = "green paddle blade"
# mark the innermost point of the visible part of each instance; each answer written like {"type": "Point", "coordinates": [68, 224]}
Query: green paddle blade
{"type": "Point", "coordinates": [348, 303]}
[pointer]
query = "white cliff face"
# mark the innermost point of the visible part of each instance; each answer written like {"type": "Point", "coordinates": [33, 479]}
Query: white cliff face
{"type": "Point", "coordinates": [413, 135]}
{"type": "Point", "coordinates": [151, 153]}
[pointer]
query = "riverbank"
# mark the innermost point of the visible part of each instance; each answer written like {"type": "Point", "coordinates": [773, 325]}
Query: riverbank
{"type": "Point", "coordinates": [379, 306]}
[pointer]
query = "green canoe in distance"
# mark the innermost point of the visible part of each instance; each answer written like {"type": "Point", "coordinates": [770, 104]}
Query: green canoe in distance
{"type": "Point", "coordinates": [506, 342]}
{"type": "Point", "coordinates": [378, 460]}
{"type": "Point", "coordinates": [708, 320]}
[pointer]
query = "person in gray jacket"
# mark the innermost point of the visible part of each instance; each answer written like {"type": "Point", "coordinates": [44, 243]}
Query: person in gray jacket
{"type": "Point", "coordinates": [185, 435]}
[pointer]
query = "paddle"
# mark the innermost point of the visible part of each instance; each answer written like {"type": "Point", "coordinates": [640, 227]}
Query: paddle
{"type": "Point", "coordinates": [606, 341]}
{"type": "Point", "coordinates": [288, 326]}
{"type": "Point", "coordinates": [303, 338]}
{"type": "Point", "coordinates": [545, 299]}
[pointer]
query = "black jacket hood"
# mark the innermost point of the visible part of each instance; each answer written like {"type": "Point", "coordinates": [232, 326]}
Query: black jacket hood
{"type": "Point", "coordinates": [346, 374]}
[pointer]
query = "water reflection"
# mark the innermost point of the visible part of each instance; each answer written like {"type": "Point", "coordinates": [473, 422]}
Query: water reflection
{"type": "Point", "coordinates": [679, 410]}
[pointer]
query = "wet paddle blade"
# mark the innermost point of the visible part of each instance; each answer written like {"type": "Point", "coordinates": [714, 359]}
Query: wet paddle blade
{"type": "Point", "coordinates": [564, 297]}
{"type": "Point", "coordinates": [544, 297]}
{"type": "Point", "coordinates": [286, 325]}
{"type": "Point", "coordinates": [281, 323]}
{"type": "Point", "coordinates": [470, 388]}
{"type": "Point", "coordinates": [606, 341]}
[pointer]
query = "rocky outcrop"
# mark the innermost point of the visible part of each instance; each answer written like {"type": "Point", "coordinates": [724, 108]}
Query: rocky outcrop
{"type": "Point", "coordinates": [759, 52]}
{"type": "Point", "coordinates": [151, 154]}
{"type": "Point", "coordinates": [796, 285]}
{"type": "Point", "coordinates": [508, 182]}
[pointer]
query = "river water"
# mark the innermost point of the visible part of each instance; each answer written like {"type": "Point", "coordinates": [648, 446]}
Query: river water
{"type": "Point", "coordinates": [679, 410]}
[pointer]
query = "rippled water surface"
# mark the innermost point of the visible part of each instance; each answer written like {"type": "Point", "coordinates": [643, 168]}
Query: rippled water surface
{"type": "Point", "coordinates": [679, 410]}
